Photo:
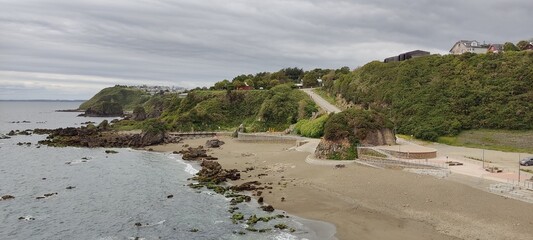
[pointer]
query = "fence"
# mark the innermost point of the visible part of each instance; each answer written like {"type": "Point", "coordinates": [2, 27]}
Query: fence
{"type": "Point", "coordinates": [378, 157]}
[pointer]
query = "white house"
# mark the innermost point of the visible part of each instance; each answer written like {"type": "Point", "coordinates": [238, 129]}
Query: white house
{"type": "Point", "coordinates": [473, 46]}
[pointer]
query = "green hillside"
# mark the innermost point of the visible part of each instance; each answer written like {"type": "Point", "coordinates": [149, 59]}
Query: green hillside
{"type": "Point", "coordinates": [127, 97]}
{"type": "Point", "coordinates": [259, 110]}
{"type": "Point", "coordinates": [437, 95]}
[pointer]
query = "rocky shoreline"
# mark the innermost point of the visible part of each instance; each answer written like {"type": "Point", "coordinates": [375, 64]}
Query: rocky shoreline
{"type": "Point", "coordinates": [213, 177]}
{"type": "Point", "coordinates": [101, 136]}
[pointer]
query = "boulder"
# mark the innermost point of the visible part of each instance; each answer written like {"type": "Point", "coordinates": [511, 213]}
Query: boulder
{"type": "Point", "coordinates": [152, 137]}
{"type": "Point", "coordinates": [198, 153]}
{"type": "Point", "coordinates": [213, 143]}
{"type": "Point", "coordinates": [247, 186]}
{"type": "Point", "coordinates": [268, 208]}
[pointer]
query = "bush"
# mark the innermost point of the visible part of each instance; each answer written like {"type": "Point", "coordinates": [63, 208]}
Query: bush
{"type": "Point", "coordinates": [311, 128]}
{"type": "Point", "coordinates": [353, 124]}
{"type": "Point", "coordinates": [153, 126]}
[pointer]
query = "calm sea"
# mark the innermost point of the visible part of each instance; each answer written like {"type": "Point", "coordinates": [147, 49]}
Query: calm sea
{"type": "Point", "coordinates": [109, 193]}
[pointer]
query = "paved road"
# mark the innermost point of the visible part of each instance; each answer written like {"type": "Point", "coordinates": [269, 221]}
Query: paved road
{"type": "Point", "coordinates": [322, 103]}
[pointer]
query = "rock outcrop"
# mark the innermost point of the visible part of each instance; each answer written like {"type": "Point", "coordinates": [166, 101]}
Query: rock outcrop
{"type": "Point", "coordinates": [195, 154]}
{"type": "Point", "coordinates": [99, 137]}
{"type": "Point", "coordinates": [213, 143]}
{"type": "Point", "coordinates": [214, 173]}
{"type": "Point", "coordinates": [377, 137]}
{"type": "Point", "coordinates": [338, 150]}
{"type": "Point", "coordinates": [343, 149]}
{"type": "Point", "coordinates": [104, 109]}
{"type": "Point", "coordinates": [139, 114]}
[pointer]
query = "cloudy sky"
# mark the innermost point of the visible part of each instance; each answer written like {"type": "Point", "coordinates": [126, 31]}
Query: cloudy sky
{"type": "Point", "coordinates": [69, 49]}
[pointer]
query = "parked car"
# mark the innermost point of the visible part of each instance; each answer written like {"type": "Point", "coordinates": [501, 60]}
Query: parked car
{"type": "Point", "coordinates": [527, 161]}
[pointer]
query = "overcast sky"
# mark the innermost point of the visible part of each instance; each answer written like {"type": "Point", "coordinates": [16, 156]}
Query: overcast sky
{"type": "Point", "coordinates": [70, 49]}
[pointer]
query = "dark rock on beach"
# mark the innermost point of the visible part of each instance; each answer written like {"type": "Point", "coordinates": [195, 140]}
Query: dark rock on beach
{"type": "Point", "coordinates": [268, 208]}
{"type": "Point", "coordinates": [213, 143]}
{"type": "Point", "coordinates": [198, 153]}
{"type": "Point", "coordinates": [247, 186]}
{"type": "Point", "coordinates": [212, 172]}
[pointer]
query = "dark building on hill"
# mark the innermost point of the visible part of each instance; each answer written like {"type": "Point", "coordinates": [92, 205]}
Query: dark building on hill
{"type": "Point", "coordinates": [407, 55]}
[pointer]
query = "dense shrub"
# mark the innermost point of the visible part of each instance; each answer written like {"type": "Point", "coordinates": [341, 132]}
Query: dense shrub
{"type": "Point", "coordinates": [259, 110]}
{"type": "Point", "coordinates": [437, 95]}
{"type": "Point", "coordinates": [311, 128]}
{"type": "Point", "coordinates": [353, 124]}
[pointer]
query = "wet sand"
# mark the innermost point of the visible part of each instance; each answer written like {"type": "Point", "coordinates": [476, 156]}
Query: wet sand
{"type": "Point", "coordinates": [368, 203]}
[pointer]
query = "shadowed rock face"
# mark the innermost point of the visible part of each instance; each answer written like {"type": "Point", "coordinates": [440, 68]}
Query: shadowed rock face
{"type": "Point", "coordinates": [377, 137]}
{"type": "Point", "coordinates": [341, 148]}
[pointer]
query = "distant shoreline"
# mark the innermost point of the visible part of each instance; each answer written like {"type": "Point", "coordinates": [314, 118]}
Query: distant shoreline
{"type": "Point", "coordinates": [40, 100]}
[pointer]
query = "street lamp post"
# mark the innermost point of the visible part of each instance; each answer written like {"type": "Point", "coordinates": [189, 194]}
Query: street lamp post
{"type": "Point", "coordinates": [519, 169]}
{"type": "Point", "coordinates": [483, 157]}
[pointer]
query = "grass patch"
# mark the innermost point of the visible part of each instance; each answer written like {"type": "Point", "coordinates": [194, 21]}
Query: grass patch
{"type": "Point", "coordinates": [127, 125]}
{"type": "Point", "coordinates": [526, 170]}
{"type": "Point", "coordinates": [501, 140]}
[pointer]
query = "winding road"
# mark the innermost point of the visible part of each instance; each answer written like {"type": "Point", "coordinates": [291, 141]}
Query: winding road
{"type": "Point", "coordinates": [321, 102]}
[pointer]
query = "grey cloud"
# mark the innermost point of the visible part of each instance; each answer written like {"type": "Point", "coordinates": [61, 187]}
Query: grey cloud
{"type": "Point", "coordinates": [195, 43]}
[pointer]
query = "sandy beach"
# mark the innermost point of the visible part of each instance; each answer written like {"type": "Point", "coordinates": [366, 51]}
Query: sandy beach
{"type": "Point", "coordinates": [369, 203]}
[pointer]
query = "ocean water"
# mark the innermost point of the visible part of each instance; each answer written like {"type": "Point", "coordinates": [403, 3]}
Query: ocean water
{"type": "Point", "coordinates": [110, 192]}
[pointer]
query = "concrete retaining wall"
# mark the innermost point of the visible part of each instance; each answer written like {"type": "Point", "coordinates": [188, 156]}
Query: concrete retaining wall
{"type": "Point", "coordinates": [253, 137]}
{"type": "Point", "coordinates": [412, 155]}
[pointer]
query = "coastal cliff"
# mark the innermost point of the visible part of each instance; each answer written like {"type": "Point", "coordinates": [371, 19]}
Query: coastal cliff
{"type": "Point", "coordinates": [344, 131]}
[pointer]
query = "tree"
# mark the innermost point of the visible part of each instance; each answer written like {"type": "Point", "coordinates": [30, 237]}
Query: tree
{"type": "Point", "coordinates": [310, 79]}
{"type": "Point", "coordinates": [510, 47]}
{"type": "Point", "coordinates": [238, 83]}
{"type": "Point", "coordinates": [280, 76]}
{"type": "Point", "coordinates": [249, 82]}
{"type": "Point", "coordinates": [293, 74]}
{"type": "Point", "coordinates": [222, 84]}
{"type": "Point", "coordinates": [343, 70]}
{"type": "Point", "coordinates": [522, 45]}
{"type": "Point", "coordinates": [273, 83]}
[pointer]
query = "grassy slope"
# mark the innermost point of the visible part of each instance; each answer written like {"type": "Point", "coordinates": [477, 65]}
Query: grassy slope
{"type": "Point", "coordinates": [127, 97]}
{"type": "Point", "coordinates": [259, 110]}
{"type": "Point", "coordinates": [502, 140]}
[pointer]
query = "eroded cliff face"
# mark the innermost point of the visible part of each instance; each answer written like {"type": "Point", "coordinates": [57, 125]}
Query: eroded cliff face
{"type": "Point", "coordinates": [339, 150]}
{"type": "Point", "coordinates": [383, 136]}
{"type": "Point", "coordinates": [345, 150]}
